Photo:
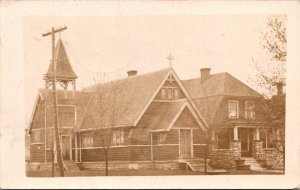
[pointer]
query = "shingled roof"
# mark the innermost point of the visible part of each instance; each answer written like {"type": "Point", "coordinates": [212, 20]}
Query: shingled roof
{"type": "Point", "coordinates": [218, 84]}
{"type": "Point", "coordinates": [160, 115]}
{"type": "Point", "coordinates": [63, 67]}
{"type": "Point", "coordinates": [129, 97]}
{"type": "Point", "coordinates": [208, 95]}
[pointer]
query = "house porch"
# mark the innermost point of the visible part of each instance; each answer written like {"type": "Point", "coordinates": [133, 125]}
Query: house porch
{"type": "Point", "coordinates": [233, 143]}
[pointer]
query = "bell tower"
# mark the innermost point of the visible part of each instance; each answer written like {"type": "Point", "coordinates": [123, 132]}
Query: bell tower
{"type": "Point", "coordinates": [65, 76]}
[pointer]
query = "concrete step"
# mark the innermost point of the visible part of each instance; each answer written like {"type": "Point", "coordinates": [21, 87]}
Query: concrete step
{"type": "Point", "coordinates": [71, 166]}
{"type": "Point", "coordinates": [197, 165]}
{"type": "Point", "coordinates": [254, 165]}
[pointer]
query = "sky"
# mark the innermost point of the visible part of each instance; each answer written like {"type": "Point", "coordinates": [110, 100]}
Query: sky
{"type": "Point", "coordinates": [116, 44]}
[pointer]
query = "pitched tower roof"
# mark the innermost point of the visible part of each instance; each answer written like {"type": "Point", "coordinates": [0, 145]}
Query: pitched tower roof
{"type": "Point", "coordinates": [64, 69]}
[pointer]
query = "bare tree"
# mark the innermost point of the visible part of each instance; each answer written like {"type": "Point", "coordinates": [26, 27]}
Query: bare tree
{"type": "Point", "coordinates": [274, 41]}
{"type": "Point", "coordinates": [106, 108]}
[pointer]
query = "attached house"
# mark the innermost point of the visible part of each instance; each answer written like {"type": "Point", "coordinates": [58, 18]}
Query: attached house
{"type": "Point", "coordinates": [149, 120]}
{"type": "Point", "coordinates": [237, 115]}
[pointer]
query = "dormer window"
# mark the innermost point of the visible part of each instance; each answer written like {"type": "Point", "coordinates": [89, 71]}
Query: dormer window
{"type": "Point", "coordinates": [170, 93]}
{"type": "Point", "coordinates": [163, 94]}
{"type": "Point", "coordinates": [249, 110]}
{"type": "Point", "coordinates": [233, 109]}
{"type": "Point", "coordinates": [176, 93]}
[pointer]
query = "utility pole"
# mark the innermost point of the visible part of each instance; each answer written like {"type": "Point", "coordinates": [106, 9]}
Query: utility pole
{"type": "Point", "coordinates": [56, 130]}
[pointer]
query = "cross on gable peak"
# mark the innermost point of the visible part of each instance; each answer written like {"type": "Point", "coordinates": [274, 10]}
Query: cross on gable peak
{"type": "Point", "coordinates": [170, 58]}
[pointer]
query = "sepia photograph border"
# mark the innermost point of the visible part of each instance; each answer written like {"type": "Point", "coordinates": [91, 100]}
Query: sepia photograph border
{"type": "Point", "coordinates": [13, 87]}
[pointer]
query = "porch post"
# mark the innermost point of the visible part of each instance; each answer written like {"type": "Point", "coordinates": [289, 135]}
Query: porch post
{"type": "Point", "coordinates": [257, 146]}
{"type": "Point", "coordinates": [192, 146]}
{"type": "Point", "coordinates": [213, 135]}
{"type": "Point", "coordinates": [178, 143]}
{"type": "Point", "coordinates": [235, 133]}
{"type": "Point", "coordinates": [151, 145]}
{"type": "Point", "coordinates": [80, 147]}
{"type": "Point", "coordinates": [76, 152]}
{"type": "Point", "coordinates": [278, 134]}
{"type": "Point", "coordinates": [257, 134]}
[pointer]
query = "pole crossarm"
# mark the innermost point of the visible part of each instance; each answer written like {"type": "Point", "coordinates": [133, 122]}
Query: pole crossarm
{"type": "Point", "coordinates": [55, 31]}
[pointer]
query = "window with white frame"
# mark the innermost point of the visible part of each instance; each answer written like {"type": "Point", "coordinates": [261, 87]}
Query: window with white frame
{"type": "Point", "coordinates": [118, 137]}
{"type": "Point", "coordinates": [249, 110]}
{"type": "Point", "coordinates": [176, 93]}
{"type": "Point", "coordinates": [170, 93]}
{"type": "Point", "coordinates": [163, 93]}
{"type": "Point", "coordinates": [162, 138]}
{"type": "Point", "coordinates": [233, 109]}
{"type": "Point", "coordinates": [50, 138]}
{"type": "Point", "coordinates": [267, 138]}
{"type": "Point", "coordinates": [87, 140]}
{"type": "Point", "coordinates": [37, 136]}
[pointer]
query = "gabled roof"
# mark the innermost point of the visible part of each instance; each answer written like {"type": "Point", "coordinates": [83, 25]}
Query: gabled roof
{"type": "Point", "coordinates": [63, 67]}
{"type": "Point", "coordinates": [132, 100]}
{"type": "Point", "coordinates": [218, 84]}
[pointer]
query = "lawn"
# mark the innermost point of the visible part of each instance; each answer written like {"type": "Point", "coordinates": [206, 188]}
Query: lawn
{"type": "Point", "coordinates": [115, 173]}
{"type": "Point", "coordinates": [144, 173]}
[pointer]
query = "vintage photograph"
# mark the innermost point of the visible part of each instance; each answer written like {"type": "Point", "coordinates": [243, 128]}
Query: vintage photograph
{"type": "Point", "coordinates": [155, 95]}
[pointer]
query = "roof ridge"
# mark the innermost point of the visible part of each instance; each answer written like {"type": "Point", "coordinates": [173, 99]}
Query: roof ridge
{"type": "Point", "coordinates": [198, 78]}
{"type": "Point", "coordinates": [126, 78]}
{"type": "Point", "coordinates": [244, 84]}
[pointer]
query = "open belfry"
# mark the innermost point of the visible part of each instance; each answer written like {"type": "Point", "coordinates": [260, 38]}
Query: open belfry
{"type": "Point", "coordinates": [65, 75]}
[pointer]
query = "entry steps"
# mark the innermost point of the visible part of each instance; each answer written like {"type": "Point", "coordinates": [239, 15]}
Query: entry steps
{"type": "Point", "coordinates": [199, 165]}
{"type": "Point", "coordinates": [254, 165]}
{"type": "Point", "coordinates": [71, 168]}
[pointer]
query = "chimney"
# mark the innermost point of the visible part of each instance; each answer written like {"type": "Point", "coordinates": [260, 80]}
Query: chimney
{"type": "Point", "coordinates": [205, 73]}
{"type": "Point", "coordinates": [279, 86]}
{"type": "Point", "coordinates": [132, 73]}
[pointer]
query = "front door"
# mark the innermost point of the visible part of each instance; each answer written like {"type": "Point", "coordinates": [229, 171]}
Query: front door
{"type": "Point", "coordinates": [66, 147]}
{"type": "Point", "coordinates": [245, 135]}
{"type": "Point", "coordinates": [185, 143]}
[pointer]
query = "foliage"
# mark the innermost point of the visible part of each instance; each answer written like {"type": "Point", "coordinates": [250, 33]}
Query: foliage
{"type": "Point", "coordinates": [274, 42]}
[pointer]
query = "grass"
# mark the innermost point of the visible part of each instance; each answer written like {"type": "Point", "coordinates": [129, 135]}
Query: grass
{"type": "Point", "coordinates": [145, 173]}
{"type": "Point", "coordinates": [116, 173]}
